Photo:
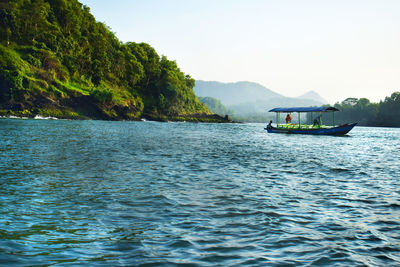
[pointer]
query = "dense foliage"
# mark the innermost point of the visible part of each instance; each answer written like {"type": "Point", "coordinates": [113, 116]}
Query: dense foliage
{"type": "Point", "coordinates": [215, 106]}
{"type": "Point", "coordinates": [55, 56]}
{"type": "Point", "coordinates": [384, 113]}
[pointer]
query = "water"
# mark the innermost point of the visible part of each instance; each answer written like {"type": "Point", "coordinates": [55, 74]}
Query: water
{"type": "Point", "coordinates": [132, 193]}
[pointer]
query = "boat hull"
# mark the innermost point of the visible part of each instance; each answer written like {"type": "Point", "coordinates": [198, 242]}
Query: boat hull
{"type": "Point", "coordinates": [338, 130]}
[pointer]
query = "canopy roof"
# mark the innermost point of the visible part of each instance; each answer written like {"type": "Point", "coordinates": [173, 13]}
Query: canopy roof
{"type": "Point", "coordinates": [304, 109]}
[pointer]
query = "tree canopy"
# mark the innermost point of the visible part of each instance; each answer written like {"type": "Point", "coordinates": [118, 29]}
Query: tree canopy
{"type": "Point", "coordinates": [215, 106]}
{"type": "Point", "coordinates": [384, 113]}
{"type": "Point", "coordinates": [54, 54]}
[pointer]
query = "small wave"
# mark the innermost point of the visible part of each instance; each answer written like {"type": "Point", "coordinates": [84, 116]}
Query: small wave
{"type": "Point", "coordinates": [221, 249]}
{"type": "Point", "coordinates": [370, 237]}
{"type": "Point", "coordinates": [328, 261]}
{"type": "Point", "coordinates": [393, 205]}
{"type": "Point", "coordinates": [13, 117]}
{"type": "Point", "coordinates": [40, 117]}
{"type": "Point", "coordinates": [387, 222]}
{"type": "Point", "coordinates": [384, 258]}
{"type": "Point", "coordinates": [216, 258]}
{"type": "Point", "coordinates": [386, 249]}
{"type": "Point", "coordinates": [366, 201]}
{"type": "Point", "coordinates": [181, 244]}
{"type": "Point", "coordinates": [340, 170]}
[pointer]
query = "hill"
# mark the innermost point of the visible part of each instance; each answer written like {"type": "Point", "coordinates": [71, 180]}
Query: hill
{"type": "Point", "coordinates": [57, 60]}
{"type": "Point", "coordinates": [312, 95]}
{"type": "Point", "coordinates": [215, 105]}
{"type": "Point", "coordinates": [234, 93]}
{"type": "Point", "coordinates": [249, 100]}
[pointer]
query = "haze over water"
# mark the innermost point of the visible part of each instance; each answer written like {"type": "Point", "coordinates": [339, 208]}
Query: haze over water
{"type": "Point", "coordinates": [131, 193]}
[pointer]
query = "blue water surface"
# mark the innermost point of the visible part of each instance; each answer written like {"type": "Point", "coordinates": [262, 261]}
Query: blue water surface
{"type": "Point", "coordinates": [103, 193]}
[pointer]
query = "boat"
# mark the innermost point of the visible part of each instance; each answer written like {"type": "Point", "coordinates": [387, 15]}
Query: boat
{"type": "Point", "coordinates": [316, 128]}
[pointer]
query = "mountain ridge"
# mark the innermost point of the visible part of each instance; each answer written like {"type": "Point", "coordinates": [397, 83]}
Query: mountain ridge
{"type": "Point", "coordinates": [248, 98]}
{"type": "Point", "coordinates": [232, 93]}
{"type": "Point", "coordinates": [314, 96]}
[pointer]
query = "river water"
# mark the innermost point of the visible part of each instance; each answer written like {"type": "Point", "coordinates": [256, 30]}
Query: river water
{"type": "Point", "coordinates": [105, 193]}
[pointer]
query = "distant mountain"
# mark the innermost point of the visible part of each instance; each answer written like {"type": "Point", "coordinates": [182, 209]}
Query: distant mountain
{"type": "Point", "coordinates": [248, 98]}
{"type": "Point", "coordinates": [234, 93]}
{"type": "Point", "coordinates": [313, 96]}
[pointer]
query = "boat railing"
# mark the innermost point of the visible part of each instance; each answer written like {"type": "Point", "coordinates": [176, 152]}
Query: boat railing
{"type": "Point", "coordinates": [301, 126]}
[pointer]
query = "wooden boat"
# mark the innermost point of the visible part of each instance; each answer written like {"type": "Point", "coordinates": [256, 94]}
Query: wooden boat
{"type": "Point", "coordinates": [316, 128]}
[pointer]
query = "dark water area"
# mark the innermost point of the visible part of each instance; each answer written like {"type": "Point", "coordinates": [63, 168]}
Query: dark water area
{"type": "Point", "coordinates": [104, 193]}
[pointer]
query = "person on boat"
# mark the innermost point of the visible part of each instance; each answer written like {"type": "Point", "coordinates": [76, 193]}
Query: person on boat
{"type": "Point", "coordinates": [317, 121]}
{"type": "Point", "coordinates": [288, 118]}
{"type": "Point", "coordinates": [269, 126]}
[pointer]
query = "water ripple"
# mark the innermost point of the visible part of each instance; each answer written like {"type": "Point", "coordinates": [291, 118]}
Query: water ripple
{"type": "Point", "coordinates": [171, 194]}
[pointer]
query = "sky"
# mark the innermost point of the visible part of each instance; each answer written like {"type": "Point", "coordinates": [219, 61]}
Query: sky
{"type": "Point", "coordinates": [337, 48]}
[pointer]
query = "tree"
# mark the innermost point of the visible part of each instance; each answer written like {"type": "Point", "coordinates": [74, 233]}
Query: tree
{"type": "Point", "coordinates": [389, 111]}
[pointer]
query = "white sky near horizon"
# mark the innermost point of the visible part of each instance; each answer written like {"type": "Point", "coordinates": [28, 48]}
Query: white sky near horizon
{"type": "Point", "coordinates": [338, 48]}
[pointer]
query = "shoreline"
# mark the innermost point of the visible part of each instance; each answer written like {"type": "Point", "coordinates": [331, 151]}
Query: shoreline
{"type": "Point", "coordinates": [67, 115]}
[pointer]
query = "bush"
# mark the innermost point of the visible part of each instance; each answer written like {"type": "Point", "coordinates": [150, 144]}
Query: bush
{"type": "Point", "coordinates": [13, 80]}
{"type": "Point", "coordinates": [34, 61]}
{"type": "Point", "coordinates": [102, 95]}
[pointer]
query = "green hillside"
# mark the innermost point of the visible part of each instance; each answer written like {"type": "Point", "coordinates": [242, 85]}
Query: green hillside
{"type": "Point", "coordinates": [215, 106]}
{"type": "Point", "coordinates": [57, 60]}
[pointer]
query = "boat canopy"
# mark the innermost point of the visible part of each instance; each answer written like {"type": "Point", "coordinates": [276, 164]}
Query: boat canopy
{"type": "Point", "coordinates": [304, 109]}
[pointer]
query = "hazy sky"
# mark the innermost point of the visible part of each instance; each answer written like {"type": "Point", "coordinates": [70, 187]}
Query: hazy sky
{"type": "Point", "coordinates": [338, 48]}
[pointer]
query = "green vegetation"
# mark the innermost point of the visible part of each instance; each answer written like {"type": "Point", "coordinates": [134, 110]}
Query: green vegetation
{"type": "Point", "coordinates": [215, 106]}
{"type": "Point", "coordinates": [55, 57]}
{"type": "Point", "coordinates": [255, 117]}
{"type": "Point", "coordinates": [385, 113]}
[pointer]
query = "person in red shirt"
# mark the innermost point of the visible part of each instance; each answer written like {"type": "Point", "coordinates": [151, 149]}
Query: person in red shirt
{"type": "Point", "coordinates": [288, 118]}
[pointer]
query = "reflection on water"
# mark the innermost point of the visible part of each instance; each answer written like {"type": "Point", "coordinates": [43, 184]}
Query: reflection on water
{"type": "Point", "coordinates": [131, 193]}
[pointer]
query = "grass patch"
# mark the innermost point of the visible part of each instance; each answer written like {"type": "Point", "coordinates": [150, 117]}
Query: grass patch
{"type": "Point", "coordinates": [71, 87]}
